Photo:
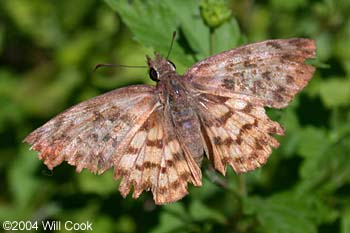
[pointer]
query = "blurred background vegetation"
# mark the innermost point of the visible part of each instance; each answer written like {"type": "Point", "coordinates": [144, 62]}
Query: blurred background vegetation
{"type": "Point", "coordinates": [48, 50]}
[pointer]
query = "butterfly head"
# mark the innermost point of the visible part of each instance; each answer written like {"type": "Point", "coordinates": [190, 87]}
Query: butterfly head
{"type": "Point", "coordinates": [159, 66]}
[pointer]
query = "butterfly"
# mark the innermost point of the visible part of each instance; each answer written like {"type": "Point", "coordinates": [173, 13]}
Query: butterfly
{"type": "Point", "coordinates": [156, 137]}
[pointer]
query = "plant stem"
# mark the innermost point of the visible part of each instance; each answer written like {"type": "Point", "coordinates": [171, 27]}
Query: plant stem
{"type": "Point", "coordinates": [211, 41]}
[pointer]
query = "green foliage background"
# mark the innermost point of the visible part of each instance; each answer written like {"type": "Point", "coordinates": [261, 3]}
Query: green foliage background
{"type": "Point", "coordinates": [47, 53]}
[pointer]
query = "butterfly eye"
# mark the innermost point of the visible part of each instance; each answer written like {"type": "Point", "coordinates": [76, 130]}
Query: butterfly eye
{"type": "Point", "coordinates": [153, 74]}
{"type": "Point", "coordinates": [172, 64]}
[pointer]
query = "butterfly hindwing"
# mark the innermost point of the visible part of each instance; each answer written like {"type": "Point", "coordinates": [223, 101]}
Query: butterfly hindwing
{"type": "Point", "coordinates": [236, 132]}
{"type": "Point", "coordinates": [269, 72]}
{"type": "Point", "coordinates": [154, 160]}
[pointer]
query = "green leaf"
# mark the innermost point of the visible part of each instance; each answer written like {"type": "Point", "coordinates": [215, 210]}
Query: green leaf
{"type": "Point", "coordinates": [335, 92]}
{"type": "Point", "coordinates": [199, 212]}
{"type": "Point", "coordinates": [192, 26]}
{"type": "Point", "coordinates": [312, 142]}
{"type": "Point", "coordinates": [152, 23]}
{"type": "Point", "coordinates": [172, 218]}
{"type": "Point", "coordinates": [281, 218]}
{"type": "Point", "coordinates": [226, 37]}
{"type": "Point", "coordinates": [152, 27]}
{"type": "Point", "coordinates": [287, 213]}
{"type": "Point", "coordinates": [327, 165]}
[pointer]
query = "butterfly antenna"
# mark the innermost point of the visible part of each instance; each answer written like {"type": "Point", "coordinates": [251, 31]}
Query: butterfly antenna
{"type": "Point", "coordinates": [116, 65]}
{"type": "Point", "coordinates": [171, 45]}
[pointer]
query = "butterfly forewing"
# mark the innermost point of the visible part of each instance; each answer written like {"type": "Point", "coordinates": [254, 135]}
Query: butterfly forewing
{"type": "Point", "coordinates": [91, 134]}
{"type": "Point", "coordinates": [269, 72]}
